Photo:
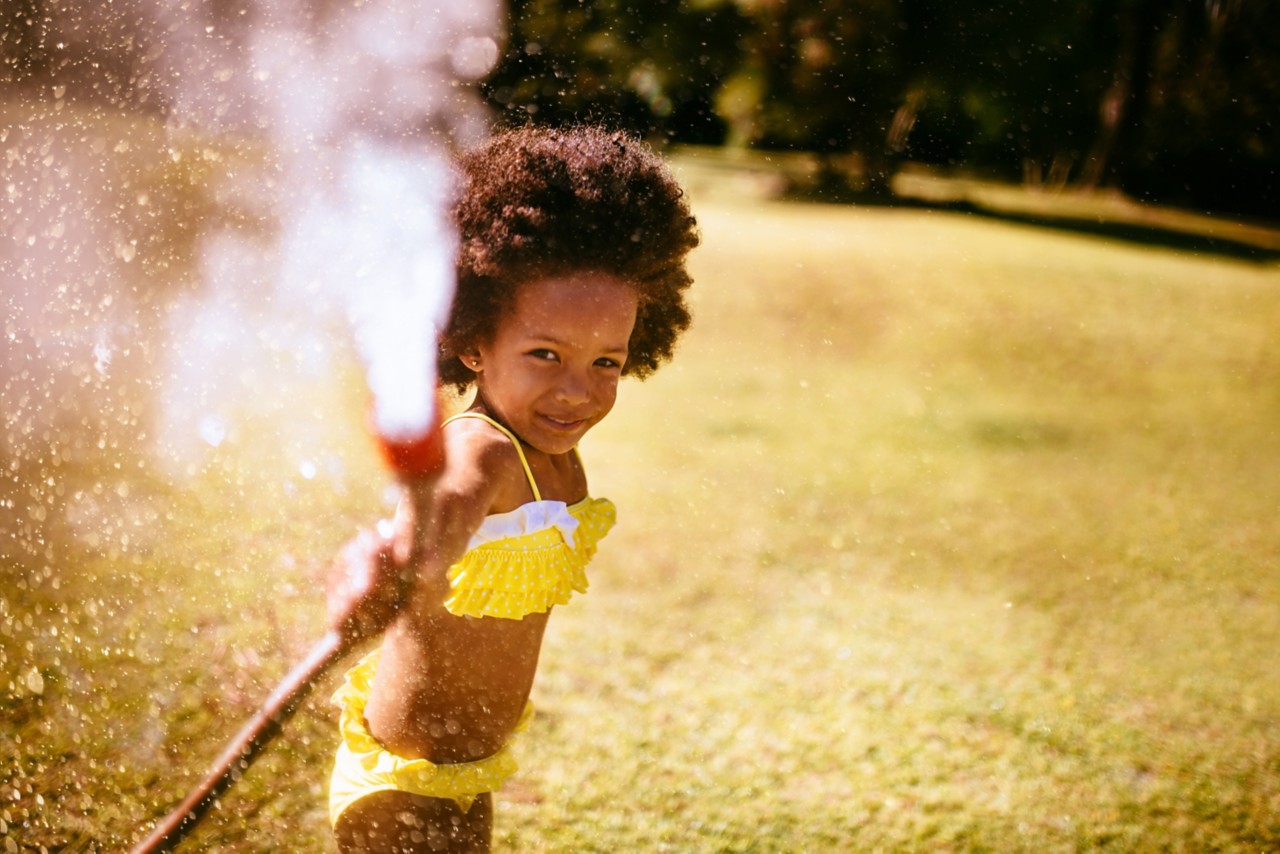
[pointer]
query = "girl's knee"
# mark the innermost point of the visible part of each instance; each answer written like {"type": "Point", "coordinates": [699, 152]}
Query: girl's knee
{"type": "Point", "coordinates": [401, 822]}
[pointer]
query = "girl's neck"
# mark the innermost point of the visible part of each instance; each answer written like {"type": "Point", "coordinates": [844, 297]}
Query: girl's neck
{"type": "Point", "coordinates": [551, 471]}
{"type": "Point", "coordinates": [481, 405]}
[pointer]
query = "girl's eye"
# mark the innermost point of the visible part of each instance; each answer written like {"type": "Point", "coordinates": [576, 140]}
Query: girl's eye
{"type": "Point", "coordinates": [544, 354]}
{"type": "Point", "coordinates": [608, 363]}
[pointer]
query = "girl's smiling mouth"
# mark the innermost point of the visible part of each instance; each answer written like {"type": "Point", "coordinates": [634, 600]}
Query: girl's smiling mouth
{"type": "Point", "coordinates": [562, 423]}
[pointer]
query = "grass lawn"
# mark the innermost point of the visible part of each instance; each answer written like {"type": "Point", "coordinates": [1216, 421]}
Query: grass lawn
{"type": "Point", "coordinates": [941, 533]}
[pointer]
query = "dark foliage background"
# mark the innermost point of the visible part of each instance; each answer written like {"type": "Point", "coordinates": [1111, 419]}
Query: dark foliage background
{"type": "Point", "coordinates": [1171, 101]}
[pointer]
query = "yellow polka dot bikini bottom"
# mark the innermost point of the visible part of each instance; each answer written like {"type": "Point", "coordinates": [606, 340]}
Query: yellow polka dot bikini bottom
{"type": "Point", "coordinates": [363, 766]}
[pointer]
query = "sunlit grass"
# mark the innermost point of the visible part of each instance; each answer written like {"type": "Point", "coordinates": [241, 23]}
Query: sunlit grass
{"type": "Point", "coordinates": [939, 533]}
{"type": "Point", "coordinates": [961, 537]}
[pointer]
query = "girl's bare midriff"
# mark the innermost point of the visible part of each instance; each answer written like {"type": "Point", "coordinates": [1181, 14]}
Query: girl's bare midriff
{"type": "Point", "coordinates": [452, 689]}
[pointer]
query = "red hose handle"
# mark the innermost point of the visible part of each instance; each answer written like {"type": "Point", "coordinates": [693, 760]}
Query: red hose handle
{"type": "Point", "coordinates": [413, 457]}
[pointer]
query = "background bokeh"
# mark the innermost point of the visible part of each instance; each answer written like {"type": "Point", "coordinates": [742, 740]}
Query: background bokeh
{"type": "Point", "coordinates": [963, 535]}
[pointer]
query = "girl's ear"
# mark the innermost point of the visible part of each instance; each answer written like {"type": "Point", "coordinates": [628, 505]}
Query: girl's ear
{"type": "Point", "coordinates": [471, 360]}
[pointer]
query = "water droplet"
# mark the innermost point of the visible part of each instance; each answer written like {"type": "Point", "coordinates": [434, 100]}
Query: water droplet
{"type": "Point", "coordinates": [213, 430]}
{"type": "Point", "coordinates": [35, 682]}
{"type": "Point", "coordinates": [474, 57]}
{"type": "Point", "coordinates": [101, 357]}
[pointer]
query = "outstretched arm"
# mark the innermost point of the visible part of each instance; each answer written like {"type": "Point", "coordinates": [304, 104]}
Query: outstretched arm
{"type": "Point", "coordinates": [382, 569]}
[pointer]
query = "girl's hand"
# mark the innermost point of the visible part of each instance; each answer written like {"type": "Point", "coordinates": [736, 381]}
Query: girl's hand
{"type": "Point", "coordinates": [370, 579]}
{"type": "Point", "coordinates": [375, 571]}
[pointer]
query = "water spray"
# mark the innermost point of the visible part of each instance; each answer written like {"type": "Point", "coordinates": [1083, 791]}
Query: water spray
{"type": "Point", "coordinates": [366, 98]}
{"type": "Point", "coordinates": [242, 750]}
{"type": "Point", "coordinates": [412, 458]}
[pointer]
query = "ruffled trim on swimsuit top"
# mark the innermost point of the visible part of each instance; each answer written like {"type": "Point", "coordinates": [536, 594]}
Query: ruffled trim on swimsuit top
{"type": "Point", "coordinates": [525, 561]}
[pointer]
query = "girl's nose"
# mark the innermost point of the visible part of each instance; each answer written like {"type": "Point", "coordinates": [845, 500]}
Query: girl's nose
{"type": "Point", "coordinates": [573, 388]}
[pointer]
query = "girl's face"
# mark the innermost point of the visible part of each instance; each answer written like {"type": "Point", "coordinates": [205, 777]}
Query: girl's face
{"type": "Point", "coordinates": [551, 371]}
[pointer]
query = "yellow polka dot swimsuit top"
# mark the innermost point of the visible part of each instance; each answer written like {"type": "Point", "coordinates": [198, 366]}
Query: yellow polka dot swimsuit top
{"type": "Point", "coordinates": [526, 560]}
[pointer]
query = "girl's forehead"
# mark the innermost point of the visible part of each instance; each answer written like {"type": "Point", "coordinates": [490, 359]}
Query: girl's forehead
{"type": "Point", "coordinates": [598, 291]}
{"type": "Point", "coordinates": [597, 301]}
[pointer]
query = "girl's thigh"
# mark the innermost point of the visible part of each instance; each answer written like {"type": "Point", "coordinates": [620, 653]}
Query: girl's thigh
{"type": "Point", "coordinates": [400, 822]}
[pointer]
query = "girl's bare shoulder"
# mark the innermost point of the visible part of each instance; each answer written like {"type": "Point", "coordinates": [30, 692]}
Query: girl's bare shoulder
{"type": "Point", "coordinates": [481, 462]}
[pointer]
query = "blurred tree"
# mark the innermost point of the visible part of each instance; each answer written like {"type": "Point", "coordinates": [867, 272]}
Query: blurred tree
{"type": "Point", "coordinates": [653, 68]}
{"type": "Point", "coordinates": [1209, 134]}
{"type": "Point", "coordinates": [826, 77]}
{"type": "Point", "coordinates": [1136, 25]}
{"type": "Point", "coordinates": [1167, 99]}
{"type": "Point", "coordinates": [1009, 93]}
{"type": "Point", "coordinates": [767, 73]}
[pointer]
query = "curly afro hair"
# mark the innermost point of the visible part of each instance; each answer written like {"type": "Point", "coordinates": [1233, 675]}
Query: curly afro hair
{"type": "Point", "coordinates": [540, 202]}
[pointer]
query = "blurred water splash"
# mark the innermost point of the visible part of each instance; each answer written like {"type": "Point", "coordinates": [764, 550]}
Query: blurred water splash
{"type": "Point", "coordinates": [390, 276]}
{"type": "Point", "coordinates": [202, 206]}
{"type": "Point", "coordinates": [82, 294]}
{"type": "Point", "coordinates": [289, 184]}
{"type": "Point", "coordinates": [362, 103]}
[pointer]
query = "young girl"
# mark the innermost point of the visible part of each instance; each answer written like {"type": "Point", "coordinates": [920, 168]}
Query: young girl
{"type": "Point", "coordinates": [571, 274]}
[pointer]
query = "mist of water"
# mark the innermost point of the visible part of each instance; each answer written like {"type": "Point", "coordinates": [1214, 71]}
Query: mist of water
{"type": "Point", "coordinates": [115, 301]}
{"type": "Point", "coordinates": [196, 200]}
{"type": "Point", "coordinates": [363, 104]}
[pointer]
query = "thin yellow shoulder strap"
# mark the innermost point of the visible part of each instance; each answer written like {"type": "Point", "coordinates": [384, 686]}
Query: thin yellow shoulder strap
{"type": "Point", "coordinates": [533, 484]}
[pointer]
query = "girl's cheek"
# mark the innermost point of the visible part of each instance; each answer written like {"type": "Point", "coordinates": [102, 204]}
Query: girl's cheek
{"type": "Point", "coordinates": [609, 391]}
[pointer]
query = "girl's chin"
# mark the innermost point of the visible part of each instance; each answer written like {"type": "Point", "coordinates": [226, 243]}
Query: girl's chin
{"type": "Point", "coordinates": [557, 437]}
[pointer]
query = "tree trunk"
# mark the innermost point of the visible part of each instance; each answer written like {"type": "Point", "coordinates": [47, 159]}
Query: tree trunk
{"type": "Point", "coordinates": [1124, 103]}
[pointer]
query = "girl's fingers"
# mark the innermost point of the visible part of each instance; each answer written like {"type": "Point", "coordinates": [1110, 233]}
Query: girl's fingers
{"type": "Point", "coordinates": [364, 585]}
